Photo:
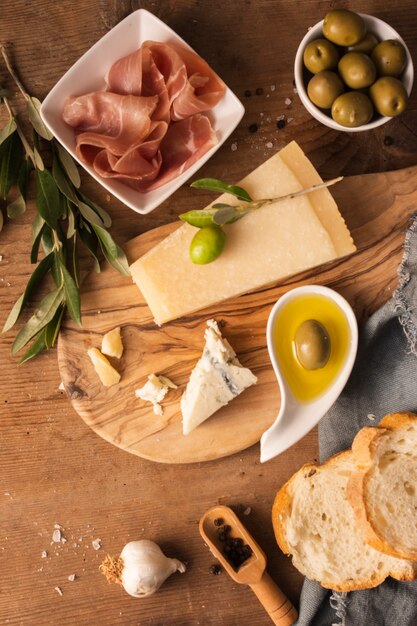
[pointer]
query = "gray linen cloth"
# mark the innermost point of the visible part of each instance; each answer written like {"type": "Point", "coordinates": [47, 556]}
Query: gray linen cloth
{"type": "Point", "coordinates": [384, 380]}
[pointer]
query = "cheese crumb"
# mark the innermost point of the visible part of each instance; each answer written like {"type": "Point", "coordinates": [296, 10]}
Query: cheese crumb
{"type": "Point", "coordinates": [269, 144]}
{"type": "Point", "coordinates": [71, 577]}
{"type": "Point", "coordinates": [96, 543]}
{"type": "Point", "coordinates": [56, 536]}
{"type": "Point", "coordinates": [155, 390]}
{"type": "Point", "coordinates": [371, 417]}
{"type": "Point", "coordinates": [44, 554]}
{"type": "Point", "coordinates": [61, 386]}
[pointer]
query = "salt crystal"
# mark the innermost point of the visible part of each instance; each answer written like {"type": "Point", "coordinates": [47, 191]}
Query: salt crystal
{"type": "Point", "coordinates": [44, 554]}
{"type": "Point", "coordinates": [96, 543]}
{"type": "Point", "coordinates": [233, 147]}
{"type": "Point", "coordinates": [272, 87]}
{"type": "Point", "coordinates": [56, 536]}
{"type": "Point", "coordinates": [71, 577]}
{"type": "Point", "coordinates": [61, 386]}
{"type": "Point", "coordinates": [59, 591]}
{"type": "Point", "coordinates": [269, 144]}
{"type": "Point", "coordinates": [288, 101]}
{"type": "Point", "coordinates": [247, 511]}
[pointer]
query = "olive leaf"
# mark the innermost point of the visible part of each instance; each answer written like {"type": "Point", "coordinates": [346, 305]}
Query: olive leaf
{"type": "Point", "coordinates": [47, 197]}
{"type": "Point", "coordinates": [17, 207]}
{"type": "Point", "coordinates": [61, 180]}
{"type": "Point", "coordinates": [199, 218]}
{"type": "Point", "coordinates": [33, 108]}
{"type": "Point", "coordinates": [33, 282]}
{"type": "Point", "coordinates": [42, 316]}
{"type": "Point", "coordinates": [11, 153]}
{"type": "Point", "coordinates": [227, 215]}
{"type": "Point", "coordinates": [68, 164]}
{"type": "Point", "coordinates": [72, 296]}
{"type": "Point", "coordinates": [213, 184]}
{"type": "Point", "coordinates": [89, 214]}
{"type": "Point", "coordinates": [91, 243]}
{"type": "Point", "coordinates": [37, 233]}
{"type": "Point", "coordinates": [51, 330]}
{"type": "Point", "coordinates": [37, 346]}
{"type": "Point", "coordinates": [1, 220]}
{"type": "Point", "coordinates": [71, 229]}
{"type": "Point", "coordinates": [112, 252]}
{"type": "Point", "coordinates": [105, 217]}
{"type": "Point", "coordinates": [7, 130]}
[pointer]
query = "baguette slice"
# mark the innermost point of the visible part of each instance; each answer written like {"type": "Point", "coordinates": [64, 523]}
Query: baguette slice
{"type": "Point", "coordinates": [315, 524]}
{"type": "Point", "coordinates": [383, 490]}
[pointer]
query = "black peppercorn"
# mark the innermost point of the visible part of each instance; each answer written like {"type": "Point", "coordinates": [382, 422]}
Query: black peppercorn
{"type": "Point", "coordinates": [218, 521]}
{"type": "Point", "coordinates": [281, 123]}
{"type": "Point", "coordinates": [215, 570]}
{"type": "Point", "coordinates": [259, 91]}
{"type": "Point", "coordinates": [253, 128]}
{"type": "Point", "coordinates": [388, 141]}
{"type": "Point", "coordinates": [248, 93]}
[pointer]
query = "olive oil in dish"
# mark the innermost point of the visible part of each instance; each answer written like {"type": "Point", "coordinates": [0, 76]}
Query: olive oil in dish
{"type": "Point", "coordinates": [308, 384]}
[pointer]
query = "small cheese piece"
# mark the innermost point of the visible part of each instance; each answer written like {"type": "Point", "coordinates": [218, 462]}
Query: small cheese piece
{"type": "Point", "coordinates": [155, 390]}
{"type": "Point", "coordinates": [105, 371]}
{"type": "Point", "coordinates": [267, 245]}
{"type": "Point", "coordinates": [217, 378]}
{"type": "Point", "coordinates": [112, 343]}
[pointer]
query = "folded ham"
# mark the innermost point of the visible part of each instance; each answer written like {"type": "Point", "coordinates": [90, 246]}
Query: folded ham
{"type": "Point", "coordinates": [149, 125]}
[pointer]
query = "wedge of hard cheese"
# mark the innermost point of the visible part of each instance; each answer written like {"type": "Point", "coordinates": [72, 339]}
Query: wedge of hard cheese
{"type": "Point", "coordinates": [265, 246]}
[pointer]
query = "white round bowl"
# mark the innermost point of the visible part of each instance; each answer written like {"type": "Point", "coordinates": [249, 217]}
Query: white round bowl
{"type": "Point", "coordinates": [382, 31]}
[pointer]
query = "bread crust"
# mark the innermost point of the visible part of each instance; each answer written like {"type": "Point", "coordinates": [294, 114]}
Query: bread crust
{"type": "Point", "coordinates": [281, 511]}
{"type": "Point", "coordinates": [363, 448]}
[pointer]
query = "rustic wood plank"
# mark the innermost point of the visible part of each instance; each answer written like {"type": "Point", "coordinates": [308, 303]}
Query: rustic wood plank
{"type": "Point", "coordinates": [54, 468]}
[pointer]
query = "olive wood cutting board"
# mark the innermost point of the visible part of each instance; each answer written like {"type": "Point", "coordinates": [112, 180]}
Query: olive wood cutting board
{"type": "Point", "coordinates": [377, 209]}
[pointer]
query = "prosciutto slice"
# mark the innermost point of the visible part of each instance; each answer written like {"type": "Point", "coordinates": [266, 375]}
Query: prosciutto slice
{"type": "Point", "coordinates": [148, 127]}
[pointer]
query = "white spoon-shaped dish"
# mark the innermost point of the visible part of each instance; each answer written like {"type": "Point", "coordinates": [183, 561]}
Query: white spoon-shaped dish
{"type": "Point", "coordinates": [296, 418]}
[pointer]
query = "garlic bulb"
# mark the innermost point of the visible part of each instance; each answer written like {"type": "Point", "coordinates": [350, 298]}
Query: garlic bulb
{"type": "Point", "coordinates": [141, 568]}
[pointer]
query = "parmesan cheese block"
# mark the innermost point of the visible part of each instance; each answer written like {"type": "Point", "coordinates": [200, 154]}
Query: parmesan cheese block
{"type": "Point", "coordinates": [267, 245]}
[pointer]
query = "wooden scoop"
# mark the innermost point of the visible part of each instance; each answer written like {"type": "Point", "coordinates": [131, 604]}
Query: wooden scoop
{"type": "Point", "coordinates": [253, 571]}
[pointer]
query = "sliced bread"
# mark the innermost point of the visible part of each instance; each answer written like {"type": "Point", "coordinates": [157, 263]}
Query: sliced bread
{"type": "Point", "coordinates": [383, 489]}
{"type": "Point", "coordinates": [315, 524]}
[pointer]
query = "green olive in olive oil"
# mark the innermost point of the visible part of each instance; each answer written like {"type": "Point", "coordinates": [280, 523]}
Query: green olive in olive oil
{"type": "Point", "coordinates": [307, 383]}
{"type": "Point", "coordinates": [312, 345]}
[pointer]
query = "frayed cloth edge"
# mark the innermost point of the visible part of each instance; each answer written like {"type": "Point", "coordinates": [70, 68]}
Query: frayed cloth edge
{"type": "Point", "coordinates": [338, 602]}
{"type": "Point", "coordinates": [401, 306]}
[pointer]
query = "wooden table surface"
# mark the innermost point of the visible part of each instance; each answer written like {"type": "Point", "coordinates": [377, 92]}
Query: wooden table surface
{"type": "Point", "coordinates": [54, 469]}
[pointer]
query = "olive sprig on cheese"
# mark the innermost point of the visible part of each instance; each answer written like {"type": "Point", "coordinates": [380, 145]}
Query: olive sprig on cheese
{"type": "Point", "coordinates": [209, 242]}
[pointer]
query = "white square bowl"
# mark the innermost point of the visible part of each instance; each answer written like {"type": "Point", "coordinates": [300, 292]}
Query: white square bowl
{"type": "Point", "coordinates": [87, 75]}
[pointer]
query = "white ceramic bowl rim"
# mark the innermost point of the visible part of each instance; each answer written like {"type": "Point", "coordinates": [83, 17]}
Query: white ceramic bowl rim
{"type": "Point", "coordinates": [382, 30]}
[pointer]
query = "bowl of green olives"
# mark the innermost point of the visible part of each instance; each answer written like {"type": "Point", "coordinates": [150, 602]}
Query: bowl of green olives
{"type": "Point", "coordinates": [353, 72]}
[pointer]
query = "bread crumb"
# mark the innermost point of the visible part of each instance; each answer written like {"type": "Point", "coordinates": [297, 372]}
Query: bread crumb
{"type": "Point", "coordinates": [59, 591]}
{"type": "Point", "coordinates": [96, 543]}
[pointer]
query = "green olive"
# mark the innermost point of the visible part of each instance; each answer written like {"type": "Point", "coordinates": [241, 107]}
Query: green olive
{"type": "Point", "coordinates": [390, 58]}
{"type": "Point", "coordinates": [366, 45]}
{"type": "Point", "coordinates": [343, 27]}
{"type": "Point", "coordinates": [357, 70]}
{"type": "Point", "coordinates": [207, 244]}
{"type": "Point", "coordinates": [312, 345]}
{"type": "Point", "coordinates": [320, 55]}
{"type": "Point", "coordinates": [324, 88]}
{"type": "Point", "coordinates": [389, 96]}
{"type": "Point", "coordinates": [352, 109]}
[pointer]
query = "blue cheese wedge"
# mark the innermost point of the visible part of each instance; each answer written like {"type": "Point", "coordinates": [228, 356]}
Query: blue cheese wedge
{"type": "Point", "coordinates": [154, 390]}
{"type": "Point", "coordinates": [217, 378]}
